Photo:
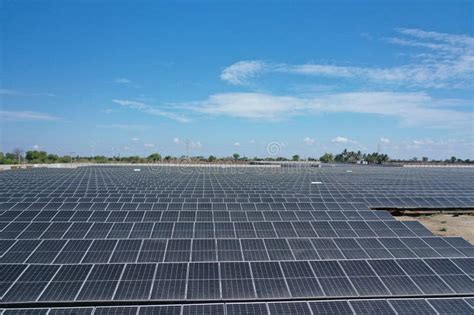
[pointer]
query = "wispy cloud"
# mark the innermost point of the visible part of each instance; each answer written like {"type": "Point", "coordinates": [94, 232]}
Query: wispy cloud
{"type": "Point", "coordinates": [438, 147]}
{"type": "Point", "coordinates": [195, 144]}
{"type": "Point", "coordinates": [151, 110]}
{"type": "Point", "coordinates": [449, 63]}
{"type": "Point", "coordinates": [8, 92]}
{"type": "Point", "coordinates": [124, 126]}
{"type": "Point", "coordinates": [384, 140]}
{"type": "Point", "coordinates": [108, 111]}
{"type": "Point", "coordinates": [189, 143]}
{"type": "Point", "coordinates": [26, 116]}
{"type": "Point", "coordinates": [423, 142]}
{"type": "Point", "coordinates": [250, 105]}
{"type": "Point", "coordinates": [309, 141]}
{"type": "Point", "coordinates": [122, 80]}
{"type": "Point", "coordinates": [412, 109]}
{"type": "Point", "coordinates": [148, 145]}
{"type": "Point", "coordinates": [240, 72]}
{"type": "Point", "coordinates": [341, 139]}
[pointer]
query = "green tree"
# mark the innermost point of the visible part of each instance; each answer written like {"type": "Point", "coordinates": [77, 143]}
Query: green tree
{"type": "Point", "coordinates": [154, 157]}
{"type": "Point", "coordinates": [342, 157]}
{"type": "Point", "coordinates": [327, 158]}
{"type": "Point", "coordinates": [65, 159]}
{"type": "Point", "coordinates": [211, 158]}
{"type": "Point", "coordinates": [296, 157]}
{"type": "Point", "coordinates": [10, 158]}
{"type": "Point", "coordinates": [53, 158]}
{"type": "Point", "coordinates": [100, 159]}
{"type": "Point", "coordinates": [425, 159]}
{"type": "Point", "coordinates": [236, 156]}
{"type": "Point", "coordinates": [36, 156]}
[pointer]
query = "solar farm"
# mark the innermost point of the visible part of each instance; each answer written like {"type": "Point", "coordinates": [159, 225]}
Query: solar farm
{"type": "Point", "coordinates": [242, 240]}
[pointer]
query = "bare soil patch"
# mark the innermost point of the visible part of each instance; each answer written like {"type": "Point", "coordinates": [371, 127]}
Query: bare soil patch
{"type": "Point", "coordinates": [446, 224]}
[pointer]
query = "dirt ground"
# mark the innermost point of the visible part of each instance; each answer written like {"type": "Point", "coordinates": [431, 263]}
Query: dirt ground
{"type": "Point", "coordinates": [446, 224]}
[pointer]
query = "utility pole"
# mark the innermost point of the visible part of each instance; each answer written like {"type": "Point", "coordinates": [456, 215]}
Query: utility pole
{"type": "Point", "coordinates": [93, 143]}
{"type": "Point", "coordinates": [73, 158]}
{"type": "Point", "coordinates": [187, 149]}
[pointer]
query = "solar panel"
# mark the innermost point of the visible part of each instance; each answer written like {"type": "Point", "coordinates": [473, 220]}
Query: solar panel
{"type": "Point", "coordinates": [412, 306]}
{"type": "Point", "coordinates": [371, 307]}
{"type": "Point", "coordinates": [206, 240]}
{"type": "Point", "coordinates": [450, 306]}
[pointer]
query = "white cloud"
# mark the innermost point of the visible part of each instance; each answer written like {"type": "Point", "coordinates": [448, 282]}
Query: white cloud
{"type": "Point", "coordinates": [249, 105]}
{"type": "Point", "coordinates": [236, 144]}
{"type": "Point", "coordinates": [8, 92]}
{"type": "Point", "coordinates": [26, 115]}
{"type": "Point", "coordinates": [240, 72]}
{"type": "Point", "coordinates": [135, 139]}
{"type": "Point", "coordinates": [191, 144]}
{"type": "Point", "coordinates": [122, 80]}
{"type": "Point", "coordinates": [449, 63]}
{"type": "Point", "coordinates": [309, 141]}
{"type": "Point", "coordinates": [319, 69]}
{"type": "Point", "coordinates": [340, 139]}
{"type": "Point", "coordinates": [149, 145]}
{"type": "Point", "coordinates": [148, 109]}
{"type": "Point", "coordinates": [195, 145]}
{"type": "Point", "coordinates": [462, 40]}
{"type": "Point", "coordinates": [252, 141]}
{"type": "Point", "coordinates": [36, 147]}
{"type": "Point", "coordinates": [412, 109]}
{"type": "Point", "coordinates": [437, 148]}
{"type": "Point", "coordinates": [423, 142]}
{"type": "Point", "coordinates": [384, 140]}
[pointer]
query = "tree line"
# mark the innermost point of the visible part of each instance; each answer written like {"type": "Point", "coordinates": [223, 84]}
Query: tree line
{"type": "Point", "coordinates": [18, 156]}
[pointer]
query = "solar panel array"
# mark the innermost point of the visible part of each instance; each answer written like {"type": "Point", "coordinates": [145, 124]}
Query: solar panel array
{"type": "Point", "coordinates": [238, 240]}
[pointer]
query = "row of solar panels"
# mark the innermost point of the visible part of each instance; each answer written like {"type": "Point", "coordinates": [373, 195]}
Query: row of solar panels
{"type": "Point", "coordinates": [232, 203]}
{"type": "Point", "coordinates": [279, 229]}
{"type": "Point", "coordinates": [230, 281]}
{"type": "Point", "coordinates": [184, 250]}
{"type": "Point", "coordinates": [267, 194]}
{"type": "Point", "coordinates": [63, 205]}
{"type": "Point", "coordinates": [161, 195]}
{"type": "Point", "coordinates": [186, 216]}
{"type": "Point", "coordinates": [116, 204]}
{"type": "Point", "coordinates": [439, 306]}
{"type": "Point", "coordinates": [252, 188]}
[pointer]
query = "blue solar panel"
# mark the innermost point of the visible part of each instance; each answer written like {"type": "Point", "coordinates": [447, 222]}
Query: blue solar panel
{"type": "Point", "coordinates": [206, 241]}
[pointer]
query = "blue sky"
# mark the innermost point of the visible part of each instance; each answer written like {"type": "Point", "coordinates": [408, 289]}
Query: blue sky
{"type": "Point", "coordinates": [141, 77]}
